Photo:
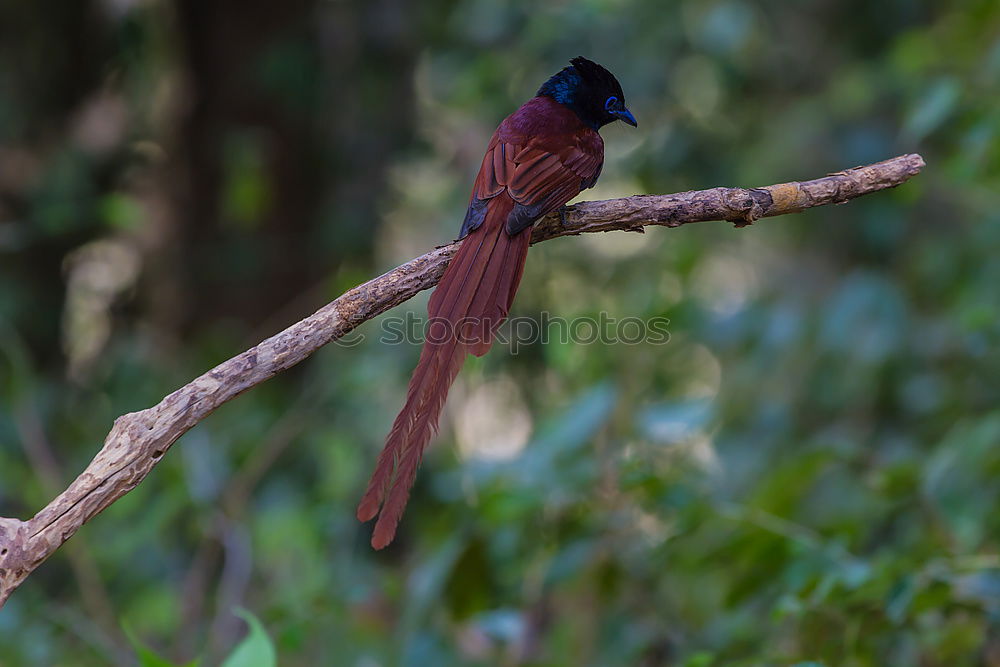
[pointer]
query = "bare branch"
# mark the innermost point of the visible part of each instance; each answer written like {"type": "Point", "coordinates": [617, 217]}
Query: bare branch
{"type": "Point", "coordinates": [140, 439]}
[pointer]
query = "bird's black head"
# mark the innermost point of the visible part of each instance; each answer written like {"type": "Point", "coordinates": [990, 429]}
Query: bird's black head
{"type": "Point", "coordinates": [591, 91]}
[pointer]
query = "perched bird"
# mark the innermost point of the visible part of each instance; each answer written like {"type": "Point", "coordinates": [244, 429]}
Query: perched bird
{"type": "Point", "coordinates": [540, 157]}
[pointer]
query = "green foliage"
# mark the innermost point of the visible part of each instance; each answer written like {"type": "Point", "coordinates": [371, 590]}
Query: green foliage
{"type": "Point", "coordinates": [805, 474]}
{"type": "Point", "coordinates": [256, 650]}
{"type": "Point", "coordinates": [148, 658]}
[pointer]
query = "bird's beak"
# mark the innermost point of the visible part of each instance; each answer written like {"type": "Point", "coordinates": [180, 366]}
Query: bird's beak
{"type": "Point", "coordinates": [626, 116]}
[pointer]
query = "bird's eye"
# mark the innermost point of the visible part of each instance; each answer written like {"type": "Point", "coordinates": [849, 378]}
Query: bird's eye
{"type": "Point", "coordinates": [611, 103]}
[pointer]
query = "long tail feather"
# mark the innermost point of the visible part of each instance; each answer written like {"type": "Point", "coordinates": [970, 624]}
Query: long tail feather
{"type": "Point", "coordinates": [455, 277]}
{"type": "Point", "coordinates": [469, 304]}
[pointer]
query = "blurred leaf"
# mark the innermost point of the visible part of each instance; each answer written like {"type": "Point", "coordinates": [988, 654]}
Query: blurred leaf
{"type": "Point", "coordinates": [427, 583]}
{"type": "Point", "coordinates": [121, 211]}
{"type": "Point", "coordinates": [670, 423]}
{"type": "Point", "coordinates": [954, 477]}
{"type": "Point", "coordinates": [932, 109]}
{"type": "Point", "coordinates": [256, 649]}
{"type": "Point", "coordinates": [147, 657]}
{"type": "Point", "coordinates": [899, 600]}
{"type": "Point", "coordinates": [247, 191]}
{"type": "Point", "coordinates": [468, 589]}
{"type": "Point", "coordinates": [700, 659]}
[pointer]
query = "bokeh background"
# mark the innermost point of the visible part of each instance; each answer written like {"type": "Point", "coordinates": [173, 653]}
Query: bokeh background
{"type": "Point", "coordinates": [808, 471]}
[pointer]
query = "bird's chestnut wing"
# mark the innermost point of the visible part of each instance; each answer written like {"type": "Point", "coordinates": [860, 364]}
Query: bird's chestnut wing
{"type": "Point", "coordinates": [540, 175]}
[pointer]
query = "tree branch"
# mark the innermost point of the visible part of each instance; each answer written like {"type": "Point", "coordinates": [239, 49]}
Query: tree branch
{"type": "Point", "coordinates": [139, 440]}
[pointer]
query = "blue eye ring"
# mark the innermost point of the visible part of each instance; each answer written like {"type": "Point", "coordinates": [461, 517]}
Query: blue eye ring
{"type": "Point", "coordinates": [610, 103]}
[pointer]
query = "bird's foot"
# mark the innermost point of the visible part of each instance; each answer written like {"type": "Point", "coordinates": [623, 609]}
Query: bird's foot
{"type": "Point", "coordinates": [562, 216]}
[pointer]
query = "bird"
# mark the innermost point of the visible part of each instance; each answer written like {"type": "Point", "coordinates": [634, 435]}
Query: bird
{"type": "Point", "coordinates": [538, 159]}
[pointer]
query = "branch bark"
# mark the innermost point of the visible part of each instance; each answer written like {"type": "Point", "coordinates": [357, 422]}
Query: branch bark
{"type": "Point", "coordinates": [139, 440]}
